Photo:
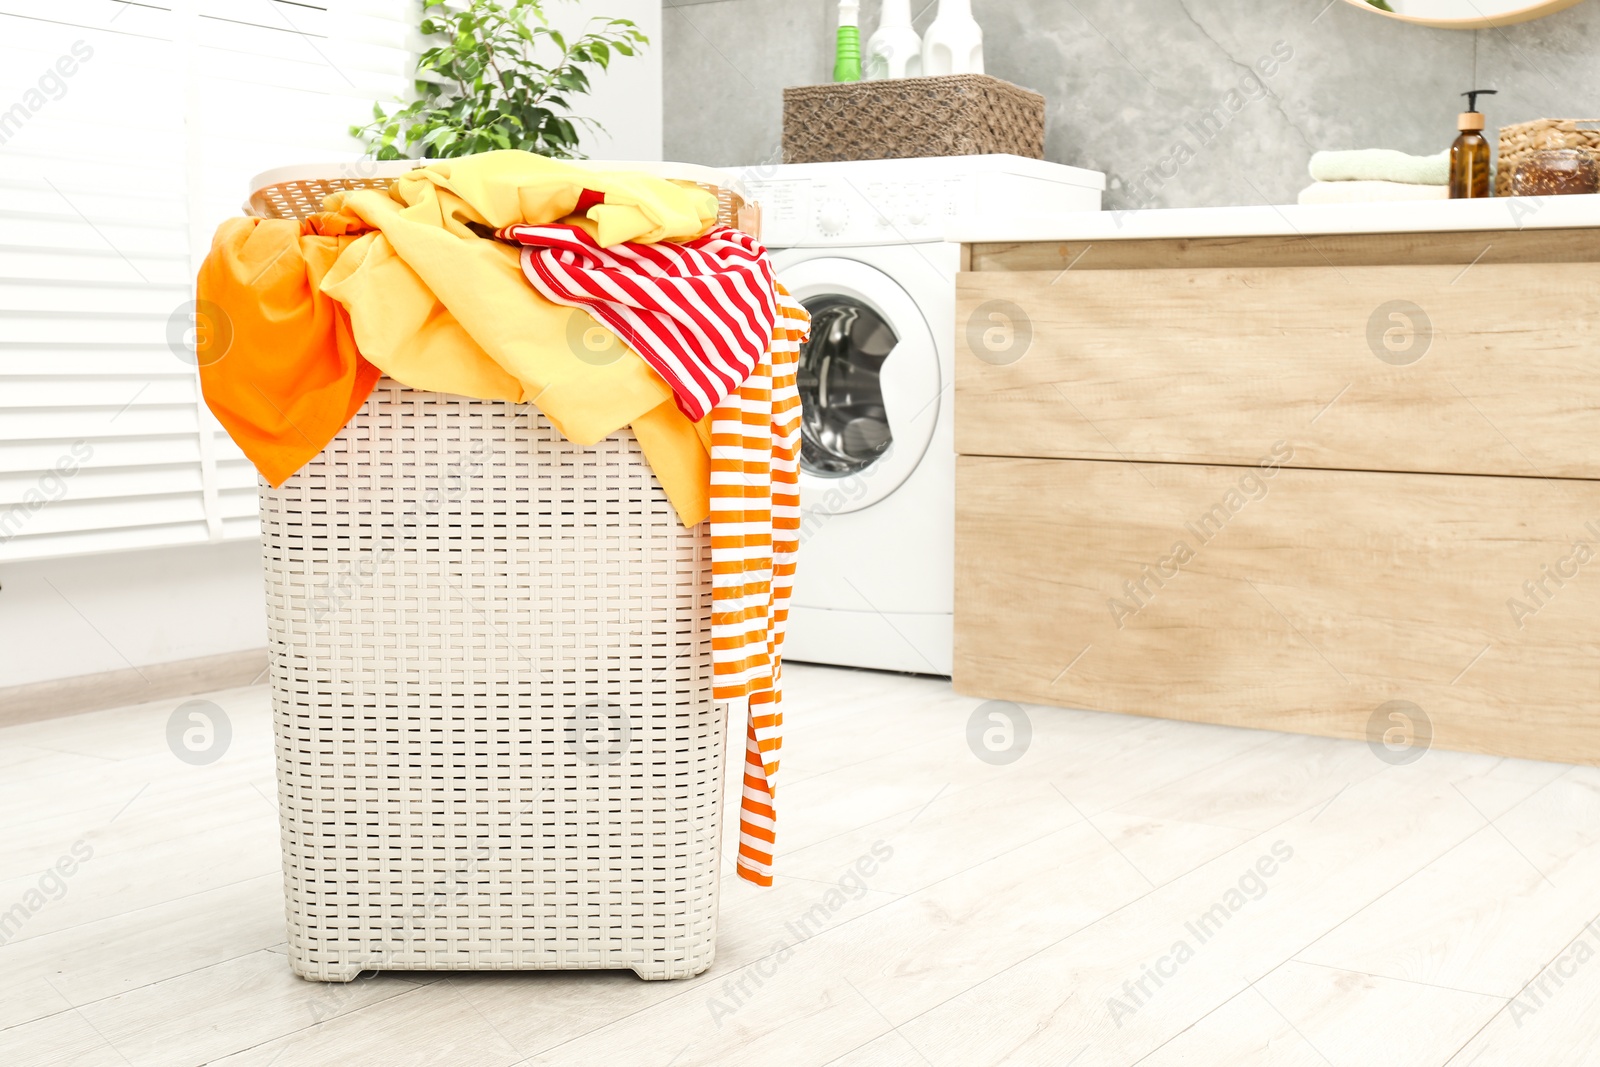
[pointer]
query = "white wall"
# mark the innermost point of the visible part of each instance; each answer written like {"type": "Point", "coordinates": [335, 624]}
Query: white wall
{"type": "Point", "coordinates": [627, 98]}
{"type": "Point", "coordinates": [88, 614]}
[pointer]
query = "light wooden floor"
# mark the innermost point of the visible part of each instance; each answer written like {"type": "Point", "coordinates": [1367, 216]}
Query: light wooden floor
{"type": "Point", "coordinates": [1442, 912]}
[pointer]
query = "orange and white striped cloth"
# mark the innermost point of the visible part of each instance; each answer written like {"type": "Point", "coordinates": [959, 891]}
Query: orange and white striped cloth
{"type": "Point", "coordinates": [755, 534]}
{"type": "Point", "coordinates": [688, 311]}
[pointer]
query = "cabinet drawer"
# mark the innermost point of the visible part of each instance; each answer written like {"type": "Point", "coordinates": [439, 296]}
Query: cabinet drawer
{"type": "Point", "coordinates": [1300, 600]}
{"type": "Point", "coordinates": [1491, 368]}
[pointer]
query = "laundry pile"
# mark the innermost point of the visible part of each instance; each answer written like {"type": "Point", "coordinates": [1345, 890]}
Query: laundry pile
{"type": "Point", "coordinates": [1366, 174]}
{"type": "Point", "coordinates": [606, 300]}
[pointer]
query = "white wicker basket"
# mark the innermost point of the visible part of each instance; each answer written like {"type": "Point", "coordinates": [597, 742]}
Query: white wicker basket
{"type": "Point", "coordinates": [491, 676]}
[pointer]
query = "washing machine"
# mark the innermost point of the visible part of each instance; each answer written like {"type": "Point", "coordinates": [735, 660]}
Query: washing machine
{"type": "Point", "coordinates": [861, 245]}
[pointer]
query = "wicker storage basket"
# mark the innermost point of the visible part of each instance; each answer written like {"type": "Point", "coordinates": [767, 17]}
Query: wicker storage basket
{"type": "Point", "coordinates": [949, 115]}
{"type": "Point", "coordinates": [490, 662]}
{"type": "Point", "coordinates": [491, 687]}
{"type": "Point", "coordinates": [1520, 141]}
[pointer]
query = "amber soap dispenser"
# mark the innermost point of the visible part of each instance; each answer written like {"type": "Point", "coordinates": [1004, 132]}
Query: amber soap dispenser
{"type": "Point", "coordinates": [1469, 155]}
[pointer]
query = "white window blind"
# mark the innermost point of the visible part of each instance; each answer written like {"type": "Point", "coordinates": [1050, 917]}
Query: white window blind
{"type": "Point", "coordinates": [128, 130]}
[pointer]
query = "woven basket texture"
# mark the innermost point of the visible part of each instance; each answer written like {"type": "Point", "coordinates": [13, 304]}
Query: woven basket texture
{"type": "Point", "coordinates": [949, 115]}
{"type": "Point", "coordinates": [301, 197]}
{"type": "Point", "coordinates": [1521, 140]}
{"type": "Point", "coordinates": [491, 678]}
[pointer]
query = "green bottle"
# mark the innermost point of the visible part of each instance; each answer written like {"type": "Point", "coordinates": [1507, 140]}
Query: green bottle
{"type": "Point", "coordinates": [847, 53]}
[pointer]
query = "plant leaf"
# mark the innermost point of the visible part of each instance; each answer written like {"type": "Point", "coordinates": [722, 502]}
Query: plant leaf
{"type": "Point", "coordinates": [479, 86]}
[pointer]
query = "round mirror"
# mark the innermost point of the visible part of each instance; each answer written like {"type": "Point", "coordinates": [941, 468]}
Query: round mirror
{"type": "Point", "coordinates": [1463, 14]}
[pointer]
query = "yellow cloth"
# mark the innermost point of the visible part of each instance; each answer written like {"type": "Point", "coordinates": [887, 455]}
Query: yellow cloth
{"type": "Point", "coordinates": [438, 307]}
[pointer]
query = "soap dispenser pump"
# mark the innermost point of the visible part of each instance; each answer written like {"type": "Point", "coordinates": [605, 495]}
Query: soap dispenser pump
{"type": "Point", "coordinates": [1469, 155]}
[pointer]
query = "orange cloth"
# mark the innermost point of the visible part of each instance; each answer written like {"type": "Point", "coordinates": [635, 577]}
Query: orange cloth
{"type": "Point", "coordinates": [279, 366]}
{"type": "Point", "coordinates": [437, 306]}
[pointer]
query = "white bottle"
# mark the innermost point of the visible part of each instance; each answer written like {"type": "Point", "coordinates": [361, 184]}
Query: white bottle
{"type": "Point", "coordinates": [895, 50]}
{"type": "Point", "coordinates": [954, 42]}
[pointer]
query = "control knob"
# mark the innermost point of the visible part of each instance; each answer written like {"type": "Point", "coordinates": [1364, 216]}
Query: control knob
{"type": "Point", "coordinates": [832, 217]}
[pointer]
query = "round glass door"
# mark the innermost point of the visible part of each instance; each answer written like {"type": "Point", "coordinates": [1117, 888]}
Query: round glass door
{"type": "Point", "coordinates": [844, 425]}
{"type": "Point", "coordinates": [868, 380]}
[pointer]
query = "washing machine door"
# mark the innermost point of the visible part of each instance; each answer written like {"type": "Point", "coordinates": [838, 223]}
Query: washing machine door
{"type": "Point", "coordinates": [869, 383]}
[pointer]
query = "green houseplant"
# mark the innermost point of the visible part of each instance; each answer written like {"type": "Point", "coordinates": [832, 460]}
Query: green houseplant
{"type": "Point", "coordinates": [496, 75]}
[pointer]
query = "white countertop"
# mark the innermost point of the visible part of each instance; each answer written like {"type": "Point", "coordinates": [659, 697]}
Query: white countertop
{"type": "Point", "coordinates": [1412, 216]}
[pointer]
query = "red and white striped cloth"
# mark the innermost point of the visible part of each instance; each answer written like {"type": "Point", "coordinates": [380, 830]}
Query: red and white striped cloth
{"type": "Point", "coordinates": [755, 535]}
{"type": "Point", "coordinates": [700, 312]}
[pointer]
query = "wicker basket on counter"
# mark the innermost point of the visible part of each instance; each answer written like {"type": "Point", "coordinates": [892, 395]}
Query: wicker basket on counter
{"type": "Point", "coordinates": [949, 115]}
{"type": "Point", "coordinates": [1521, 140]}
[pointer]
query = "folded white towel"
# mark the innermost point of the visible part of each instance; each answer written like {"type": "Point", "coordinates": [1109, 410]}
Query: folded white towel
{"type": "Point", "coordinates": [1364, 192]}
{"type": "Point", "coordinates": [1381, 165]}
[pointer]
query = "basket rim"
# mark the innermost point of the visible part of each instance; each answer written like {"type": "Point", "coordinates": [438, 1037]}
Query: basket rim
{"type": "Point", "coordinates": [1536, 122]}
{"type": "Point", "coordinates": [371, 169]}
{"type": "Point", "coordinates": [737, 206]}
{"type": "Point", "coordinates": [869, 83]}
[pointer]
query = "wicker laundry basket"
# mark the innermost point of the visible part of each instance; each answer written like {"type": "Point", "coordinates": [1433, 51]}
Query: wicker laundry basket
{"type": "Point", "coordinates": [490, 661]}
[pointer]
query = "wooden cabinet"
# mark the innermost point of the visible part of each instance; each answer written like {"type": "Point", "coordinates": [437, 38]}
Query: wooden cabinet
{"type": "Point", "coordinates": [1248, 489]}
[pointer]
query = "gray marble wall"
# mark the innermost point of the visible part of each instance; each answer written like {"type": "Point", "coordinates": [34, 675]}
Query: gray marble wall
{"type": "Point", "coordinates": [1129, 85]}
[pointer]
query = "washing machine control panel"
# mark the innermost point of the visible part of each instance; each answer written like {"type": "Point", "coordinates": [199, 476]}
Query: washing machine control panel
{"type": "Point", "coordinates": [904, 201]}
{"type": "Point", "coordinates": [809, 212]}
